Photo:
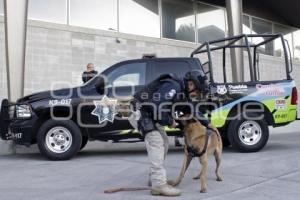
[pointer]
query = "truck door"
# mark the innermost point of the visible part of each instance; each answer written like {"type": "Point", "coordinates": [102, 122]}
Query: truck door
{"type": "Point", "coordinates": [123, 80]}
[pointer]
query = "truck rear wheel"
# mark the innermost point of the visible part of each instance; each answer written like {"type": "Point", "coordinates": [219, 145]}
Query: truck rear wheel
{"type": "Point", "coordinates": [59, 140]}
{"type": "Point", "coordinates": [248, 135]}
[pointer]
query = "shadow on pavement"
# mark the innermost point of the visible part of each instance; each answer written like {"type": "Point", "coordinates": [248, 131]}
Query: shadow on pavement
{"type": "Point", "coordinates": [277, 143]}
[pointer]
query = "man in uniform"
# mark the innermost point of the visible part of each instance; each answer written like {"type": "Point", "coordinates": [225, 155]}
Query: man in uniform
{"type": "Point", "coordinates": [89, 73]}
{"type": "Point", "coordinates": [155, 105]}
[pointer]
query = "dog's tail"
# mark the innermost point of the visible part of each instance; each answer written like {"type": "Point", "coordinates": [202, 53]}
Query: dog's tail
{"type": "Point", "coordinates": [113, 190]}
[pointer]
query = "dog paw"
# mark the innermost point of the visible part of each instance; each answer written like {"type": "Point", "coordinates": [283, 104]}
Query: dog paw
{"type": "Point", "coordinates": [203, 190]}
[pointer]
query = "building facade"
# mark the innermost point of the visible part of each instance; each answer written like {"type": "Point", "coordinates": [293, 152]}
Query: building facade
{"type": "Point", "coordinates": [64, 35]}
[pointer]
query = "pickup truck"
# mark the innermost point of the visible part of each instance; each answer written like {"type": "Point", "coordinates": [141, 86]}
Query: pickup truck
{"type": "Point", "coordinates": [62, 121]}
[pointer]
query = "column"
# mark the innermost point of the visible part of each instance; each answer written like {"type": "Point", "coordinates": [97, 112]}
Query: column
{"type": "Point", "coordinates": [235, 27]}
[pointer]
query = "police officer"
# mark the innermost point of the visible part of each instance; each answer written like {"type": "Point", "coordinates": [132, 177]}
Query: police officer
{"type": "Point", "coordinates": [155, 111]}
{"type": "Point", "coordinates": [89, 73]}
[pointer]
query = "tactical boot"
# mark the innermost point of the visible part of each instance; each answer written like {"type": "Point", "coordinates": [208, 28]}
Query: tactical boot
{"type": "Point", "coordinates": [165, 190]}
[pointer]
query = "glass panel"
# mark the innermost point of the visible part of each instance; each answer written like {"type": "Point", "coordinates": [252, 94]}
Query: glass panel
{"type": "Point", "coordinates": [140, 17]}
{"type": "Point", "coordinates": [246, 24]}
{"type": "Point", "coordinates": [296, 36]}
{"type": "Point", "coordinates": [211, 23]}
{"type": "Point", "coordinates": [287, 33]}
{"type": "Point", "coordinates": [262, 27]}
{"type": "Point", "coordinates": [48, 10]}
{"type": "Point", "coordinates": [131, 74]}
{"type": "Point", "coordinates": [1, 7]}
{"type": "Point", "coordinates": [94, 14]}
{"type": "Point", "coordinates": [178, 20]}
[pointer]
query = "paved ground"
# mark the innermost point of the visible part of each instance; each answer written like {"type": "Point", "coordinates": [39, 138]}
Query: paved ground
{"type": "Point", "coordinates": [273, 173]}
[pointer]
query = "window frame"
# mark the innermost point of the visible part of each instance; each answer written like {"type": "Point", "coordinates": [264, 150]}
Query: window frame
{"type": "Point", "coordinates": [90, 27]}
{"type": "Point", "coordinates": [196, 20]}
{"type": "Point", "coordinates": [173, 39]}
{"type": "Point", "coordinates": [43, 20]}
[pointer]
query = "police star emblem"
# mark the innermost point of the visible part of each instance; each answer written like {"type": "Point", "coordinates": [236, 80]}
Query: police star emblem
{"type": "Point", "coordinates": [105, 109]}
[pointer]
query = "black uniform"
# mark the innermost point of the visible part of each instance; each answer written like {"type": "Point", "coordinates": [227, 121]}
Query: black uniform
{"type": "Point", "coordinates": [167, 92]}
{"type": "Point", "coordinates": [86, 76]}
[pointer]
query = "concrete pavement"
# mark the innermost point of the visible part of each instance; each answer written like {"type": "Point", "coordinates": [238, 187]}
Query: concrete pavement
{"type": "Point", "coordinates": [273, 173]}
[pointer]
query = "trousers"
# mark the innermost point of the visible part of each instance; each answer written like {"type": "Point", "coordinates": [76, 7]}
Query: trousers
{"type": "Point", "coordinates": [157, 145]}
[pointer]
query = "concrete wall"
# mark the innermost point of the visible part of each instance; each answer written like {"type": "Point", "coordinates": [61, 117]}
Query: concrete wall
{"type": "Point", "coordinates": [3, 78]}
{"type": "Point", "coordinates": [60, 53]}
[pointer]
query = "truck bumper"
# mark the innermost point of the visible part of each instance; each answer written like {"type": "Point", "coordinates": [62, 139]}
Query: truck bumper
{"type": "Point", "coordinates": [5, 119]}
{"type": "Point", "coordinates": [18, 130]}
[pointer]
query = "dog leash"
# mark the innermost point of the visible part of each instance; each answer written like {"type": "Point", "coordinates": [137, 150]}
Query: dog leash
{"type": "Point", "coordinates": [113, 190]}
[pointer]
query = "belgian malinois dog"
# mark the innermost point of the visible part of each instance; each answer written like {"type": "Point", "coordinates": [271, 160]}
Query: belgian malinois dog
{"type": "Point", "coordinates": [200, 142]}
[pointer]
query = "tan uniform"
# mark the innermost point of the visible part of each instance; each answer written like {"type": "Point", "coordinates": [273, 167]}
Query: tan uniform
{"type": "Point", "coordinates": [157, 145]}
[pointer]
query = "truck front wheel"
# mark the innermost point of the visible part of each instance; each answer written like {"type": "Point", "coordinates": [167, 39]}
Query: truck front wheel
{"type": "Point", "coordinates": [59, 140]}
{"type": "Point", "coordinates": [248, 134]}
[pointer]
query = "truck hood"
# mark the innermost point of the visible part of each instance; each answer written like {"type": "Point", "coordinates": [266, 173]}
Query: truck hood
{"type": "Point", "coordinates": [47, 95]}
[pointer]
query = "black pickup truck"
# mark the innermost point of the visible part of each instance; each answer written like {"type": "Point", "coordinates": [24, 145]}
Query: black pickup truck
{"type": "Point", "coordinates": [62, 121]}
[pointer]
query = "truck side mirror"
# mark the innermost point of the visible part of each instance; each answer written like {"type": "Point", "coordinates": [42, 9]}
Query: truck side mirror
{"type": "Point", "coordinates": [100, 85]}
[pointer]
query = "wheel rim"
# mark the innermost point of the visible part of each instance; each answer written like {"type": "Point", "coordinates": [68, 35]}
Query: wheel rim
{"type": "Point", "coordinates": [250, 132]}
{"type": "Point", "coordinates": [58, 139]}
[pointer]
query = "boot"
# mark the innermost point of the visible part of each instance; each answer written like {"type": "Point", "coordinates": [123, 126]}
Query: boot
{"type": "Point", "coordinates": [165, 190]}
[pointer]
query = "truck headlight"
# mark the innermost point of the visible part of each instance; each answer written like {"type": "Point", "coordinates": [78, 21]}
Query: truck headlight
{"type": "Point", "coordinates": [23, 111]}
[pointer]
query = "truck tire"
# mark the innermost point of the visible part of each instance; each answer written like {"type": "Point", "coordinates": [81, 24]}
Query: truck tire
{"type": "Point", "coordinates": [248, 135]}
{"type": "Point", "coordinates": [59, 140]}
{"type": "Point", "coordinates": [84, 142]}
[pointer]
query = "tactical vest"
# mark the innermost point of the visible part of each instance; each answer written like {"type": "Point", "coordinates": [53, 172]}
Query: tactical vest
{"type": "Point", "coordinates": [146, 93]}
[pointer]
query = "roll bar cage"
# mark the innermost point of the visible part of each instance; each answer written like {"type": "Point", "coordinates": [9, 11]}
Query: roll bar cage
{"type": "Point", "coordinates": [243, 42]}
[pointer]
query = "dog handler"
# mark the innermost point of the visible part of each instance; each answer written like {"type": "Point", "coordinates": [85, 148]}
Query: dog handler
{"type": "Point", "coordinates": [153, 111]}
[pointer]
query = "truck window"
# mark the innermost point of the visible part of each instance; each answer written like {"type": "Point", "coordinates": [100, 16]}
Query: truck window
{"type": "Point", "coordinates": [177, 67]}
{"type": "Point", "coordinates": [130, 74]}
